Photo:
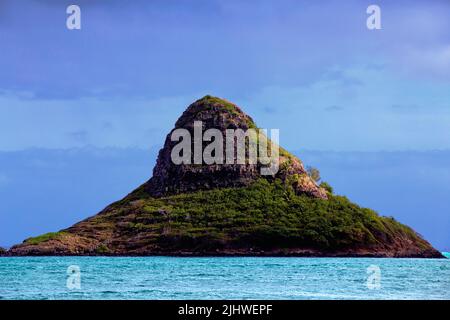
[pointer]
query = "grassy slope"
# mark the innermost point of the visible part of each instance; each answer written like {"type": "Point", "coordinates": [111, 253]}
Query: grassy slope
{"type": "Point", "coordinates": [265, 215]}
{"type": "Point", "coordinates": [272, 213]}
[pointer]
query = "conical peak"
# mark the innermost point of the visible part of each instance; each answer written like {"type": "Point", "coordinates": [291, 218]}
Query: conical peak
{"type": "Point", "coordinates": [215, 111]}
{"type": "Point", "coordinates": [188, 174]}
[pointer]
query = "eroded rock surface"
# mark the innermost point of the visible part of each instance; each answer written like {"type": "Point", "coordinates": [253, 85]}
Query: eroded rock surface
{"type": "Point", "coordinates": [169, 178]}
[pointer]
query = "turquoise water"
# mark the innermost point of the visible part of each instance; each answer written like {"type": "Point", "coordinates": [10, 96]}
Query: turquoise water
{"type": "Point", "coordinates": [224, 278]}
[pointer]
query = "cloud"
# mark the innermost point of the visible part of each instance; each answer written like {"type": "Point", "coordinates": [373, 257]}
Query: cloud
{"type": "Point", "coordinates": [124, 122]}
{"type": "Point", "coordinates": [383, 111]}
{"type": "Point", "coordinates": [220, 46]}
{"type": "Point", "coordinates": [333, 108]}
{"type": "Point", "coordinates": [286, 62]}
{"type": "Point", "coordinates": [415, 40]}
{"type": "Point", "coordinates": [406, 108]}
{"type": "Point", "coordinates": [270, 110]}
{"type": "Point", "coordinates": [341, 76]}
{"type": "Point", "coordinates": [433, 62]}
{"type": "Point", "coordinates": [79, 136]}
{"type": "Point", "coordinates": [108, 125]}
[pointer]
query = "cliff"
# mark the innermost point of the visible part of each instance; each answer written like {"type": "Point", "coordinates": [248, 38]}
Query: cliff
{"type": "Point", "coordinates": [169, 178]}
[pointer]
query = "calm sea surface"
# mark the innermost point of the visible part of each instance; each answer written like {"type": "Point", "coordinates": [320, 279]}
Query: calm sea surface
{"type": "Point", "coordinates": [223, 278]}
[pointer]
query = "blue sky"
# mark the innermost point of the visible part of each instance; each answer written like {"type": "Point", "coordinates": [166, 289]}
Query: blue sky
{"type": "Point", "coordinates": [310, 68]}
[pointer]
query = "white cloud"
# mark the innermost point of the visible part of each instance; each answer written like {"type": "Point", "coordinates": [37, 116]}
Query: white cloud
{"type": "Point", "coordinates": [379, 110]}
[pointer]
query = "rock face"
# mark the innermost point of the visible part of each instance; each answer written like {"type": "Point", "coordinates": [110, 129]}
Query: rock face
{"type": "Point", "coordinates": [169, 178]}
{"type": "Point", "coordinates": [231, 209]}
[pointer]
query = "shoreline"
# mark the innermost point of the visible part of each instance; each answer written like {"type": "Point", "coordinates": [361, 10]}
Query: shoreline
{"type": "Point", "coordinates": [237, 255]}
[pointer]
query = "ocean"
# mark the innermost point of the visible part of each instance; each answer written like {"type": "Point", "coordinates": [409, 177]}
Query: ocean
{"type": "Point", "coordinates": [222, 278]}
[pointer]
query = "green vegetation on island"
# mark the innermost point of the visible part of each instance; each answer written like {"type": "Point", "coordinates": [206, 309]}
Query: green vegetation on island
{"type": "Point", "coordinates": [265, 215]}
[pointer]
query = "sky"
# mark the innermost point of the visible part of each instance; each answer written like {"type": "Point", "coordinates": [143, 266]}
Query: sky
{"type": "Point", "coordinates": [310, 68]}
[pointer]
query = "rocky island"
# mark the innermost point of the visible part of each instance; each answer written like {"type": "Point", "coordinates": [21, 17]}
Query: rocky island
{"type": "Point", "coordinates": [199, 209]}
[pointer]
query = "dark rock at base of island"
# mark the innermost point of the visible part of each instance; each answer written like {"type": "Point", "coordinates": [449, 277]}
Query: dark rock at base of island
{"type": "Point", "coordinates": [231, 210]}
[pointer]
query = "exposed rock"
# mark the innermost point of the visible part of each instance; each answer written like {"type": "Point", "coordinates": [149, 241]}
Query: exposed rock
{"type": "Point", "coordinates": [169, 178]}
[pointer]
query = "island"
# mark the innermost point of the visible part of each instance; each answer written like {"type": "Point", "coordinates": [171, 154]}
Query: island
{"type": "Point", "coordinates": [199, 208]}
